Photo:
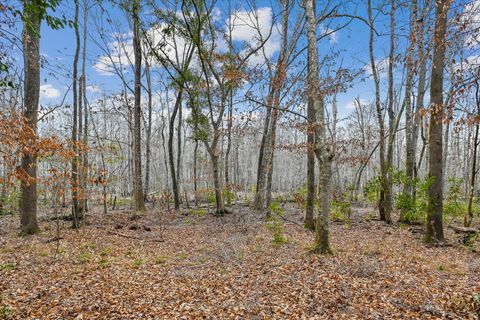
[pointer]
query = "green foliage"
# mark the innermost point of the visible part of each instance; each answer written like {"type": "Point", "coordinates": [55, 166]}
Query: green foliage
{"type": "Point", "coordinates": [341, 209]}
{"type": "Point", "coordinates": [372, 190]}
{"type": "Point", "coordinates": [198, 212]}
{"type": "Point", "coordinates": [10, 199]}
{"type": "Point", "coordinates": [211, 197]}
{"type": "Point", "coordinates": [276, 228]}
{"type": "Point", "coordinates": [40, 9]}
{"type": "Point", "coordinates": [415, 209]}
{"type": "Point", "coordinates": [229, 196]}
{"type": "Point", "coordinates": [274, 225]}
{"type": "Point", "coordinates": [199, 123]}
{"type": "Point", "coordinates": [453, 206]}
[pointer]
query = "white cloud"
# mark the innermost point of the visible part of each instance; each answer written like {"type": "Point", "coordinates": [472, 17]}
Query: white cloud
{"type": "Point", "coordinates": [121, 55]}
{"type": "Point", "coordinates": [352, 104]}
{"type": "Point", "coordinates": [94, 88]}
{"type": "Point", "coordinates": [470, 63]}
{"type": "Point", "coordinates": [471, 19]}
{"type": "Point", "coordinates": [330, 34]}
{"type": "Point", "coordinates": [253, 27]}
{"type": "Point", "coordinates": [48, 91]}
{"type": "Point", "coordinates": [380, 64]}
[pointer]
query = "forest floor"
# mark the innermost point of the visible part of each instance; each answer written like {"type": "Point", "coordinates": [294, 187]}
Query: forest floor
{"type": "Point", "coordinates": [198, 266]}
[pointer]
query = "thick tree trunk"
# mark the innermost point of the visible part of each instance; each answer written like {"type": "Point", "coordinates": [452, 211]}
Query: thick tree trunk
{"type": "Point", "coordinates": [31, 56]}
{"type": "Point", "coordinates": [138, 198]}
{"type": "Point", "coordinates": [259, 200]}
{"type": "Point", "coordinates": [434, 228]}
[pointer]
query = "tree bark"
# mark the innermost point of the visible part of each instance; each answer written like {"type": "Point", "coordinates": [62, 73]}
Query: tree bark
{"type": "Point", "coordinates": [409, 146]}
{"type": "Point", "coordinates": [434, 228]}
{"type": "Point", "coordinates": [473, 172]}
{"type": "Point", "coordinates": [75, 161]}
{"type": "Point", "coordinates": [138, 198]}
{"type": "Point", "coordinates": [383, 166]}
{"type": "Point", "coordinates": [148, 151]}
{"type": "Point", "coordinates": [31, 58]}
{"type": "Point", "coordinates": [322, 150]}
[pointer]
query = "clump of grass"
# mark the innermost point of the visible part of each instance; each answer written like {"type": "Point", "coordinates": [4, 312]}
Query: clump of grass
{"type": "Point", "coordinates": [198, 212]}
{"type": "Point", "coordinates": [84, 258]}
{"type": "Point", "coordinates": [103, 262]}
{"type": "Point", "coordinates": [162, 259]}
{"type": "Point", "coordinates": [137, 263]}
{"type": "Point", "coordinates": [105, 252]}
{"type": "Point", "coordinates": [7, 266]}
{"type": "Point", "coordinates": [88, 245]}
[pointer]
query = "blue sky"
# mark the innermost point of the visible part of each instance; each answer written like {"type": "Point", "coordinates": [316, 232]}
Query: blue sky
{"type": "Point", "coordinates": [351, 43]}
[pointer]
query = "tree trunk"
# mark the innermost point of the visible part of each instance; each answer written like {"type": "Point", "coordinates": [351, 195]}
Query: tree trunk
{"type": "Point", "coordinates": [138, 198]}
{"type": "Point", "coordinates": [409, 146]}
{"type": "Point", "coordinates": [473, 172]}
{"type": "Point", "coordinates": [85, 106]}
{"type": "Point", "coordinates": [383, 166]}
{"type": "Point", "coordinates": [171, 132]}
{"type": "Point", "coordinates": [148, 151]}
{"type": "Point", "coordinates": [322, 152]}
{"type": "Point", "coordinates": [434, 228]}
{"type": "Point", "coordinates": [75, 161]}
{"type": "Point", "coordinates": [31, 58]}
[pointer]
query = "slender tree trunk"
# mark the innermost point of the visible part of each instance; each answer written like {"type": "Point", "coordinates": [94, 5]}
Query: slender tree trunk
{"type": "Point", "coordinates": [217, 183]}
{"type": "Point", "coordinates": [179, 151]}
{"type": "Point", "coordinates": [409, 146]}
{"type": "Point", "coordinates": [473, 172]}
{"type": "Point", "coordinates": [85, 106]}
{"type": "Point", "coordinates": [195, 174]}
{"type": "Point", "coordinates": [229, 138]}
{"type": "Point", "coordinates": [434, 229]}
{"type": "Point", "coordinates": [138, 198]}
{"type": "Point", "coordinates": [148, 151]}
{"type": "Point", "coordinates": [383, 166]}
{"type": "Point", "coordinates": [322, 152]}
{"type": "Point", "coordinates": [417, 119]}
{"type": "Point", "coordinates": [31, 58]}
{"type": "Point", "coordinates": [388, 201]}
{"type": "Point", "coordinates": [171, 132]}
{"type": "Point", "coordinates": [75, 160]}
